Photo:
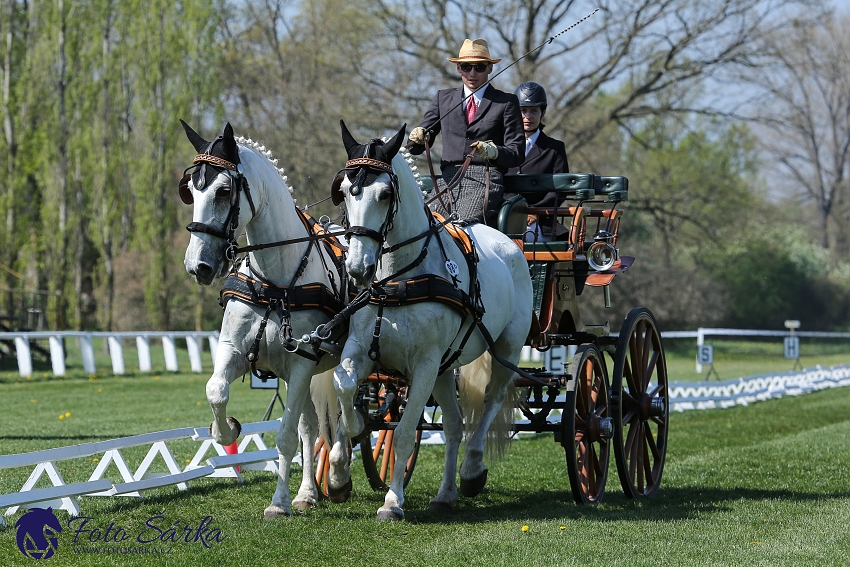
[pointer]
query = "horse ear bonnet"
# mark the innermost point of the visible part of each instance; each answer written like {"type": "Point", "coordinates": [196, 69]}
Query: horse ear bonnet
{"type": "Point", "coordinates": [375, 149]}
{"type": "Point", "coordinates": [223, 147]}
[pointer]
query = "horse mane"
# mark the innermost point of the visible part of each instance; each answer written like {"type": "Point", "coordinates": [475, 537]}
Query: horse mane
{"type": "Point", "coordinates": [408, 159]}
{"type": "Point", "coordinates": [266, 153]}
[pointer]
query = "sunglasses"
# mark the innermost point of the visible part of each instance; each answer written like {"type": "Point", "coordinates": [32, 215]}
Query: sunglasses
{"type": "Point", "coordinates": [479, 67]}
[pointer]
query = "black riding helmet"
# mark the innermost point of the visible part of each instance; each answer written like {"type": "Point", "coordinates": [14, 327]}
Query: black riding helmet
{"type": "Point", "coordinates": [531, 94]}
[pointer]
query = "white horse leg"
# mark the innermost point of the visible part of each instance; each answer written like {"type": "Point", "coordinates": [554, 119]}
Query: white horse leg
{"type": "Point", "coordinates": [405, 438]}
{"type": "Point", "coordinates": [445, 393]}
{"type": "Point", "coordinates": [339, 474]}
{"type": "Point", "coordinates": [473, 473]}
{"type": "Point", "coordinates": [308, 492]}
{"type": "Point", "coordinates": [287, 441]}
{"type": "Point", "coordinates": [229, 364]}
{"type": "Point", "coordinates": [355, 366]}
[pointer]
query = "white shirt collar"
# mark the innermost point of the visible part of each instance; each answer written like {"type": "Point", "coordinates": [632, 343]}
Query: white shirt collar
{"type": "Point", "coordinates": [531, 140]}
{"type": "Point", "coordinates": [477, 95]}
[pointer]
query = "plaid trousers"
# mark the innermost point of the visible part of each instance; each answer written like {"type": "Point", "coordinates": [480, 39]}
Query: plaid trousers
{"type": "Point", "coordinates": [468, 195]}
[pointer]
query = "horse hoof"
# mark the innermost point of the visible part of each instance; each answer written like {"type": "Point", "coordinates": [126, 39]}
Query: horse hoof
{"type": "Point", "coordinates": [341, 494]}
{"type": "Point", "coordinates": [303, 505]}
{"type": "Point", "coordinates": [275, 512]}
{"type": "Point", "coordinates": [445, 508]}
{"type": "Point", "coordinates": [473, 486]}
{"type": "Point", "coordinates": [392, 515]}
{"type": "Point", "coordinates": [234, 423]}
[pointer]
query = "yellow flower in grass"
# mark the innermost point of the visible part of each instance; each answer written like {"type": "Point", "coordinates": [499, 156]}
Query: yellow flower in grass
{"type": "Point", "coordinates": [563, 527]}
{"type": "Point", "coordinates": [61, 416]}
{"type": "Point", "coordinates": [525, 528]}
{"type": "Point", "coordinates": [67, 414]}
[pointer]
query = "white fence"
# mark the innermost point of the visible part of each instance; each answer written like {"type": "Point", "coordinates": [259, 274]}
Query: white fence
{"type": "Point", "coordinates": [62, 496]}
{"type": "Point", "coordinates": [194, 344]}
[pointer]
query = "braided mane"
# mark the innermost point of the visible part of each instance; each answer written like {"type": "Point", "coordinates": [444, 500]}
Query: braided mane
{"type": "Point", "coordinates": [263, 151]}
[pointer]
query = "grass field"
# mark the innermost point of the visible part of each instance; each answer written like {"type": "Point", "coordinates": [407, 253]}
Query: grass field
{"type": "Point", "coordinates": [767, 484]}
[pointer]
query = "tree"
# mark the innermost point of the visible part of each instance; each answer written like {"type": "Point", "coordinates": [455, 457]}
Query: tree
{"type": "Point", "coordinates": [802, 105]}
{"type": "Point", "coordinates": [632, 50]}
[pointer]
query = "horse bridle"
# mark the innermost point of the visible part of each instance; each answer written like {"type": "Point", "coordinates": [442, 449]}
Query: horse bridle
{"type": "Point", "coordinates": [238, 183]}
{"type": "Point", "coordinates": [362, 166]}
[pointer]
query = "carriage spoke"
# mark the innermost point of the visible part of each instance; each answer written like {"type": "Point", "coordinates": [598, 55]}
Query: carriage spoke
{"type": "Point", "coordinates": [650, 369]}
{"type": "Point", "coordinates": [647, 345]}
{"type": "Point", "coordinates": [650, 443]}
{"type": "Point", "coordinates": [592, 467]}
{"type": "Point", "coordinates": [376, 450]}
{"type": "Point", "coordinates": [647, 462]}
{"type": "Point", "coordinates": [630, 415]}
{"type": "Point", "coordinates": [638, 458]}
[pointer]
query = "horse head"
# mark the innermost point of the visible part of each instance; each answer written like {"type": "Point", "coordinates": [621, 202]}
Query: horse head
{"type": "Point", "coordinates": [217, 189]}
{"type": "Point", "coordinates": [370, 190]}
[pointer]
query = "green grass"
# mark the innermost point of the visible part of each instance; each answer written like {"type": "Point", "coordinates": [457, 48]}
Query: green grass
{"type": "Point", "coordinates": [767, 484]}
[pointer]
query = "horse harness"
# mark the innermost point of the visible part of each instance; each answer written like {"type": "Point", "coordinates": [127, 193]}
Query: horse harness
{"type": "Point", "coordinates": [258, 290]}
{"type": "Point", "coordinates": [392, 291]}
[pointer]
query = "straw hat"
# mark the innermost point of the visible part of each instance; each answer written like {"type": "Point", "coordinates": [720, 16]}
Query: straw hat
{"type": "Point", "coordinates": [474, 51]}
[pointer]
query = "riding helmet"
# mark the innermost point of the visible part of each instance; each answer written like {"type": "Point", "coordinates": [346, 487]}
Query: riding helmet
{"type": "Point", "coordinates": [531, 94]}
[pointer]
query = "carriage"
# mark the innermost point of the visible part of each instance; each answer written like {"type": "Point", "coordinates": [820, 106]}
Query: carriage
{"type": "Point", "coordinates": [612, 395]}
{"type": "Point", "coordinates": [235, 184]}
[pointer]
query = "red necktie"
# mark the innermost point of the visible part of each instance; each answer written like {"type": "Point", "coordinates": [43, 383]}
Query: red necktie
{"type": "Point", "coordinates": [470, 110]}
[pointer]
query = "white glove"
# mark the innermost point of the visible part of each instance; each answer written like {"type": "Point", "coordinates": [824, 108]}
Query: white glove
{"type": "Point", "coordinates": [417, 136]}
{"type": "Point", "coordinates": [485, 150]}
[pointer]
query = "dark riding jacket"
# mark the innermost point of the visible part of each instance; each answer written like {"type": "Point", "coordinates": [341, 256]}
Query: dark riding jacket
{"type": "Point", "coordinates": [498, 119]}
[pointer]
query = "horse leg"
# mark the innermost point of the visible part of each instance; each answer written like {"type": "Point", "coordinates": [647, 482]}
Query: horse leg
{"type": "Point", "coordinates": [445, 392]}
{"type": "Point", "coordinates": [355, 365]}
{"type": "Point", "coordinates": [473, 473]}
{"type": "Point", "coordinates": [308, 492]}
{"type": "Point", "coordinates": [405, 438]}
{"type": "Point", "coordinates": [287, 439]}
{"type": "Point", "coordinates": [229, 364]}
{"type": "Point", "coordinates": [339, 474]}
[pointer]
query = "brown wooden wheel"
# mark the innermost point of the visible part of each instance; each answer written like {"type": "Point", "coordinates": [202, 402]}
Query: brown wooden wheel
{"type": "Point", "coordinates": [640, 404]}
{"type": "Point", "coordinates": [586, 435]}
{"type": "Point", "coordinates": [321, 454]}
{"type": "Point", "coordinates": [378, 461]}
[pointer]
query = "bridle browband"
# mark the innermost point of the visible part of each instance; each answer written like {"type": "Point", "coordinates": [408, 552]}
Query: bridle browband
{"type": "Point", "coordinates": [238, 183]}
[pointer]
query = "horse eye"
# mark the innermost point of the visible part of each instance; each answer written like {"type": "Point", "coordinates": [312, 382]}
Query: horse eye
{"type": "Point", "coordinates": [222, 192]}
{"type": "Point", "coordinates": [385, 194]}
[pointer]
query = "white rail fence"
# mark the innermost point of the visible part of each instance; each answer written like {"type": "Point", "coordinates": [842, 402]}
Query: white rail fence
{"type": "Point", "coordinates": [62, 496]}
{"type": "Point", "coordinates": [194, 344]}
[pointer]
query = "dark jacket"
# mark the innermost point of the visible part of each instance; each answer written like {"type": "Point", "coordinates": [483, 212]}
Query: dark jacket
{"type": "Point", "coordinates": [547, 155]}
{"type": "Point", "coordinates": [497, 119]}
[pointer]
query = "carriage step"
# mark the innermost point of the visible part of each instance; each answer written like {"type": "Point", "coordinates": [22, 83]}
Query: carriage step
{"type": "Point", "coordinates": [598, 330]}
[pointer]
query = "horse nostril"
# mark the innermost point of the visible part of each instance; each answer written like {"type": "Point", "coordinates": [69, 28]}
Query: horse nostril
{"type": "Point", "coordinates": [203, 272]}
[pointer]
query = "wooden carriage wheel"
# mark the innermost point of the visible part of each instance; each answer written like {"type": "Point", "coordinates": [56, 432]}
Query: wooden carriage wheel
{"type": "Point", "coordinates": [586, 435]}
{"type": "Point", "coordinates": [640, 404]}
{"type": "Point", "coordinates": [378, 461]}
{"type": "Point", "coordinates": [321, 454]}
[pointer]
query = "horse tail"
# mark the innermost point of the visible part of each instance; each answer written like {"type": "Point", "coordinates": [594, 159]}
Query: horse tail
{"type": "Point", "coordinates": [472, 386]}
{"type": "Point", "coordinates": [324, 397]}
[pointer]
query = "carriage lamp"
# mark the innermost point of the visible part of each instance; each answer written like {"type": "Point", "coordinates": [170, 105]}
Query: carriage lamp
{"type": "Point", "coordinates": [602, 253]}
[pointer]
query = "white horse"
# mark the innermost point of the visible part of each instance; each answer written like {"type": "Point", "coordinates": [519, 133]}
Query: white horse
{"type": "Point", "coordinates": [235, 187]}
{"type": "Point", "coordinates": [415, 338]}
